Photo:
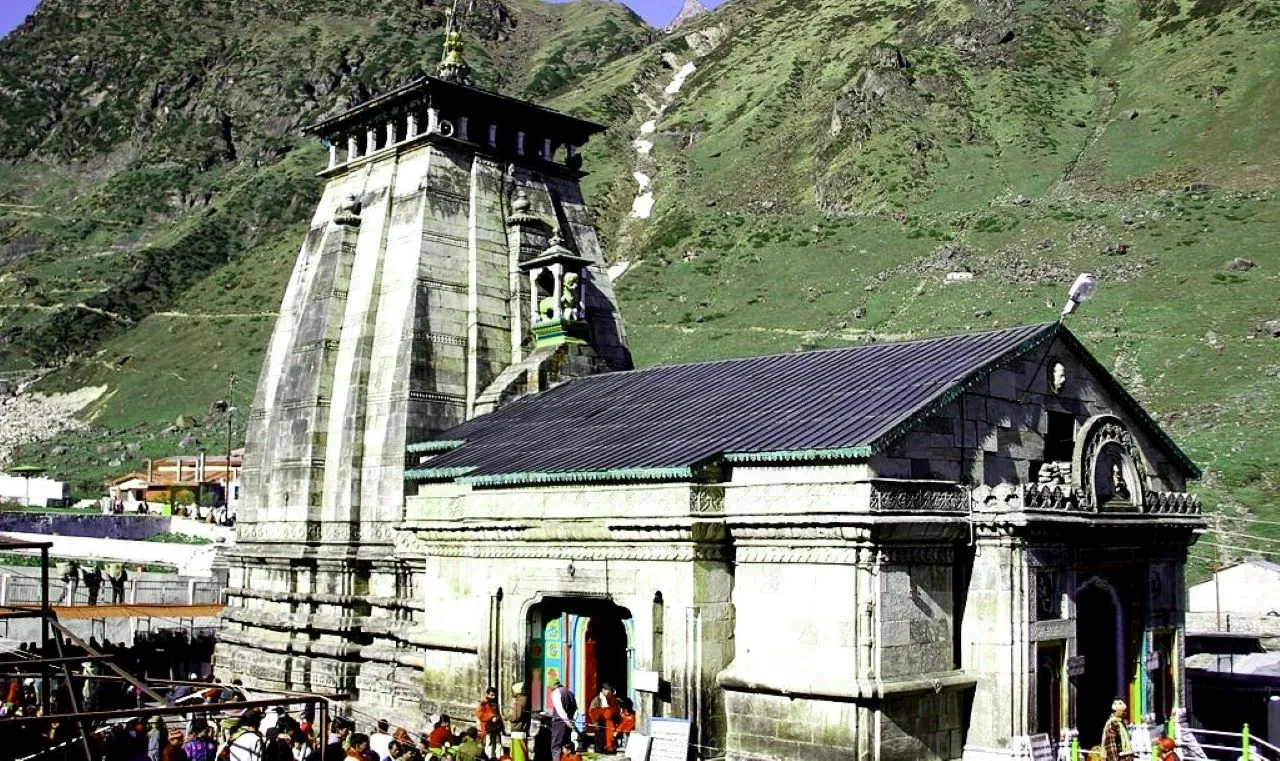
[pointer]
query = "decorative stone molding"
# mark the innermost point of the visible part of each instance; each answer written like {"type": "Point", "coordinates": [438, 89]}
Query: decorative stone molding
{"type": "Point", "coordinates": [785, 531]}
{"type": "Point", "coordinates": [1096, 433]}
{"type": "Point", "coordinates": [553, 551]}
{"type": "Point", "coordinates": [1170, 503]}
{"type": "Point", "coordinates": [1047, 497]}
{"type": "Point", "coordinates": [812, 555]}
{"type": "Point", "coordinates": [706, 499]}
{"type": "Point", "coordinates": [917, 497]}
{"type": "Point", "coordinates": [922, 555]}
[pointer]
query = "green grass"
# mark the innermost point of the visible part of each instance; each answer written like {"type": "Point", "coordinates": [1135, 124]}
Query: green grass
{"type": "Point", "coordinates": [170, 537]}
{"type": "Point", "coordinates": [33, 561]}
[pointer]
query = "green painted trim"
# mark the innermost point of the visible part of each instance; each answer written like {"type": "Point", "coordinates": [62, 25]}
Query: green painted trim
{"type": "Point", "coordinates": [443, 445]}
{"type": "Point", "coordinates": [584, 476]}
{"type": "Point", "coordinates": [800, 455]}
{"type": "Point", "coordinates": [436, 474]}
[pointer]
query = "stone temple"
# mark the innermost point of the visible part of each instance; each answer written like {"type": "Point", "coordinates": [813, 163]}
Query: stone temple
{"type": "Point", "coordinates": [959, 547]}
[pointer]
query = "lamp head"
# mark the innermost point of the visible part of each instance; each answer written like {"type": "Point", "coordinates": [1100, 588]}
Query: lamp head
{"type": "Point", "coordinates": [1081, 291]}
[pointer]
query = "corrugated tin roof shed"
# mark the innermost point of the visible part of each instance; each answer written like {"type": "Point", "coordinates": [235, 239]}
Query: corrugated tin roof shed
{"type": "Point", "coordinates": [662, 422]}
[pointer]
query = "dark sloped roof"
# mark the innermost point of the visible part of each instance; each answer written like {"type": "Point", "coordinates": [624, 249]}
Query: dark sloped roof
{"type": "Point", "coordinates": [661, 422]}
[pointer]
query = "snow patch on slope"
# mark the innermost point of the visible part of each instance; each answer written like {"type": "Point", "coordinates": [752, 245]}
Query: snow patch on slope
{"type": "Point", "coordinates": [642, 206]}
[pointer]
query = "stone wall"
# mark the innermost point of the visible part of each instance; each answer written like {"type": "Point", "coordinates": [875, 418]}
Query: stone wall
{"type": "Point", "coordinates": [775, 726]}
{"type": "Point", "coordinates": [138, 527]}
{"type": "Point", "coordinates": [994, 431]}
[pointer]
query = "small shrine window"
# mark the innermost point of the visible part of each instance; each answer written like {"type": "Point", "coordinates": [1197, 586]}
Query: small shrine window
{"type": "Point", "coordinates": [1060, 437]}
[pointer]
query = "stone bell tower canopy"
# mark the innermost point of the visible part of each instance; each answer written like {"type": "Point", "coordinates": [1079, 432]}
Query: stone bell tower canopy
{"type": "Point", "coordinates": [482, 121]}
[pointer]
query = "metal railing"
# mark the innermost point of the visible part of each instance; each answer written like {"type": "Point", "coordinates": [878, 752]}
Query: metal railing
{"type": "Point", "coordinates": [17, 589]}
{"type": "Point", "coordinates": [1249, 747]}
{"type": "Point", "coordinates": [1242, 745]}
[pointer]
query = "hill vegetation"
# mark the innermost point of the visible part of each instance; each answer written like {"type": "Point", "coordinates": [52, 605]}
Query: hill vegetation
{"type": "Point", "coordinates": [824, 169]}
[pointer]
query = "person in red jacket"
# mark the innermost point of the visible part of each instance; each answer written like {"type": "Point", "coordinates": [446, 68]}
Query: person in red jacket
{"type": "Point", "coordinates": [441, 734]}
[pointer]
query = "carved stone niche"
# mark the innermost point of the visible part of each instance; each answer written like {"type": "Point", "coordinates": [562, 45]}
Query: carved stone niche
{"type": "Point", "coordinates": [1108, 467]}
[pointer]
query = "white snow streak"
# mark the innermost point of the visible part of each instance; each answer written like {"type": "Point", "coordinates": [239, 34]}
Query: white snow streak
{"type": "Point", "coordinates": [618, 269]}
{"type": "Point", "coordinates": [642, 206]}
{"type": "Point", "coordinates": [678, 80]}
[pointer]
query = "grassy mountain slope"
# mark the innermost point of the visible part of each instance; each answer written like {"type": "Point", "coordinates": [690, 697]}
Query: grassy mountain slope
{"type": "Point", "coordinates": [831, 162]}
{"type": "Point", "coordinates": [154, 186]}
{"type": "Point", "coordinates": [817, 178]}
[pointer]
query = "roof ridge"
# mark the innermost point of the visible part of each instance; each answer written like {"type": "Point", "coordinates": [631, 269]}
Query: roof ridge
{"type": "Point", "coordinates": [810, 352]}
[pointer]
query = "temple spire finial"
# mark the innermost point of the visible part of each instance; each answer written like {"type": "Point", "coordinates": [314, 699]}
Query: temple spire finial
{"type": "Point", "coordinates": [453, 67]}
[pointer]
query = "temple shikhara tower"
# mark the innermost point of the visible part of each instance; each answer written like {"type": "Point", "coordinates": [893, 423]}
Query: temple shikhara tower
{"type": "Point", "coordinates": [450, 266]}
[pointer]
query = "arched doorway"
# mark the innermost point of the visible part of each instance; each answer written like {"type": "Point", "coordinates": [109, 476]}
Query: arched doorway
{"type": "Point", "coordinates": [1100, 639]}
{"type": "Point", "coordinates": [584, 642]}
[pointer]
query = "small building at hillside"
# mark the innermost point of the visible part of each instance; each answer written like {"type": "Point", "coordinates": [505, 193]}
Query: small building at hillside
{"type": "Point", "coordinates": [1250, 588]}
{"type": "Point", "coordinates": [935, 549]}
{"type": "Point", "coordinates": [34, 490]}
{"type": "Point", "coordinates": [199, 479]}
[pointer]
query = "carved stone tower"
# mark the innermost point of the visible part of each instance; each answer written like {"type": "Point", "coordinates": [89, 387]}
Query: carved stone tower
{"type": "Point", "coordinates": [410, 309]}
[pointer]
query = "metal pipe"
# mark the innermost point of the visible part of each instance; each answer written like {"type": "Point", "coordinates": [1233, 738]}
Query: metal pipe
{"type": "Point", "coordinates": [143, 688]}
{"type": "Point", "coordinates": [74, 700]}
{"type": "Point", "coordinates": [181, 710]}
{"type": "Point", "coordinates": [57, 661]}
{"type": "Point", "coordinates": [44, 622]}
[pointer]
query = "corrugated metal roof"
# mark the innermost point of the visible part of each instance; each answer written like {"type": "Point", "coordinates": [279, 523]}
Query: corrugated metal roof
{"type": "Point", "coordinates": [846, 402]}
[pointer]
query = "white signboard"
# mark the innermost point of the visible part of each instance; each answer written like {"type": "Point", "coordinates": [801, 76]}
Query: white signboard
{"type": "Point", "coordinates": [637, 747]}
{"type": "Point", "coordinates": [669, 739]}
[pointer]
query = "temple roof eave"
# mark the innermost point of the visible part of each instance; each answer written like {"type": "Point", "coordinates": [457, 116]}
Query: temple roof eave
{"type": "Point", "coordinates": [414, 92]}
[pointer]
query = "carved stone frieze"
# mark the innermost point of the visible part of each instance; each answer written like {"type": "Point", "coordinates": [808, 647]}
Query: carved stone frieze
{"type": "Point", "coordinates": [1050, 497]}
{"type": "Point", "coordinates": [551, 551]}
{"type": "Point", "coordinates": [906, 496]}
{"type": "Point", "coordinates": [817, 555]}
{"type": "Point", "coordinates": [1170, 503]}
{"type": "Point", "coordinates": [706, 499]}
{"type": "Point", "coordinates": [1094, 435]}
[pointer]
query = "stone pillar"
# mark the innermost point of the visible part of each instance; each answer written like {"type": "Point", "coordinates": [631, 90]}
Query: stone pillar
{"type": "Point", "coordinates": [464, 131]}
{"type": "Point", "coordinates": [391, 134]}
{"type": "Point", "coordinates": [557, 273]}
{"type": "Point", "coordinates": [333, 155]}
{"type": "Point", "coordinates": [994, 644]}
{"type": "Point", "coordinates": [533, 293]}
{"type": "Point", "coordinates": [547, 150]}
{"type": "Point", "coordinates": [353, 148]}
{"type": "Point", "coordinates": [493, 136]}
{"type": "Point", "coordinates": [411, 126]}
{"type": "Point", "coordinates": [371, 141]}
{"type": "Point", "coordinates": [520, 143]}
{"type": "Point", "coordinates": [433, 120]}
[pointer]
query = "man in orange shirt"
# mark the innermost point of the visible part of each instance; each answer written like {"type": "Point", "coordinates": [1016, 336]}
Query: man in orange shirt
{"type": "Point", "coordinates": [604, 716]}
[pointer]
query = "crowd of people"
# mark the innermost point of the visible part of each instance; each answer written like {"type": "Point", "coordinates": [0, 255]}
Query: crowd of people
{"type": "Point", "coordinates": [92, 575]}
{"type": "Point", "coordinates": [278, 733]}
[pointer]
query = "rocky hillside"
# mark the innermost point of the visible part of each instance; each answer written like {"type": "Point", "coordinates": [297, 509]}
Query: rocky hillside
{"type": "Point", "coordinates": [814, 172]}
{"type": "Point", "coordinates": [154, 183]}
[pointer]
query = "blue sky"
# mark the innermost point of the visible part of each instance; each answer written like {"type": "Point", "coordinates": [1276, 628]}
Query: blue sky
{"type": "Point", "coordinates": [656, 12]}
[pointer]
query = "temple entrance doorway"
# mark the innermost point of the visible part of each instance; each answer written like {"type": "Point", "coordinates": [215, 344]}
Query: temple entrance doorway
{"type": "Point", "coordinates": [584, 642]}
{"type": "Point", "coordinates": [1100, 632]}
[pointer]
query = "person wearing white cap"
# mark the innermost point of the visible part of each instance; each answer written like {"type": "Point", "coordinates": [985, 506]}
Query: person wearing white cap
{"type": "Point", "coordinates": [1116, 745]}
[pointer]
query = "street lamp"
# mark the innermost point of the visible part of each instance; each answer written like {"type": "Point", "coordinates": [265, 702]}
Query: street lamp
{"type": "Point", "coordinates": [1081, 291]}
